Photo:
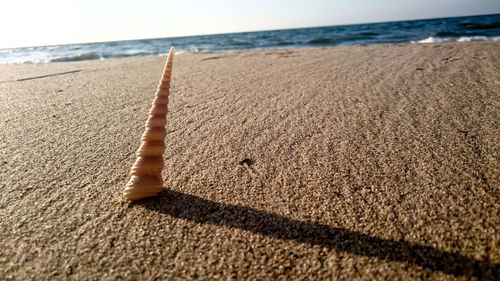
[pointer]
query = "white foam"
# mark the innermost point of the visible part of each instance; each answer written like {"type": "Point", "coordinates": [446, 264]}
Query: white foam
{"type": "Point", "coordinates": [455, 39]}
{"type": "Point", "coordinates": [472, 38]}
{"type": "Point", "coordinates": [495, 38]}
{"type": "Point", "coordinates": [433, 40]}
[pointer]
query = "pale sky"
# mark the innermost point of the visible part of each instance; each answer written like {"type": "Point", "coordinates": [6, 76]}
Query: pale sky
{"type": "Point", "coordinates": [48, 22]}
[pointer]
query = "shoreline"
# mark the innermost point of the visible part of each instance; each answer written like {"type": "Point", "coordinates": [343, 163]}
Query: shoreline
{"type": "Point", "coordinates": [182, 51]}
{"type": "Point", "coordinates": [83, 63]}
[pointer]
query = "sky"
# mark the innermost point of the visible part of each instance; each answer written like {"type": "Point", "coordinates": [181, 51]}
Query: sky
{"type": "Point", "coordinates": [51, 22]}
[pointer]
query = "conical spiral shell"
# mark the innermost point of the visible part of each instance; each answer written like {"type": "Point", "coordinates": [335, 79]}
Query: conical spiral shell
{"type": "Point", "coordinates": [146, 180]}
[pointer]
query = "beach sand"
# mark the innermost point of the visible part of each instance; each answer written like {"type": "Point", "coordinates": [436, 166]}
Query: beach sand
{"type": "Point", "coordinates": [362, 162]}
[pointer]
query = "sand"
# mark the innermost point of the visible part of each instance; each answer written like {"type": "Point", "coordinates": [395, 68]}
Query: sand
{"type": "Point", "coordinates": [363, 162]}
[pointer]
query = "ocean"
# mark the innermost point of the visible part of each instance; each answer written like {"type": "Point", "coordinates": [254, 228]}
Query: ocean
{"type": "Point", "coordinates": [457, 29]}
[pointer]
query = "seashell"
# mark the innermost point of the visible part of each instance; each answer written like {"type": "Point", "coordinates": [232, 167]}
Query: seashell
{"type": "Point", "coordinates": [146, 179]}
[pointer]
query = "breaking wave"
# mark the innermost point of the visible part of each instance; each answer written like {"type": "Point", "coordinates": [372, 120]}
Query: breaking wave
{"type": "Point", "coordinates": [433, 39]}
{"type": "Point", "coordinates": [78, 57]}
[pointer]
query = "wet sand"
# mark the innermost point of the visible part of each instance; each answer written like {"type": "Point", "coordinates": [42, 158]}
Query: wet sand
{"type": "Point", "coordinates": [364, 162]}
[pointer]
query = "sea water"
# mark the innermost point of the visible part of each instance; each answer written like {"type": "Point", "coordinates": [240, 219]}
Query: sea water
{"type": "Point", "coordinates": [457, 29]}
